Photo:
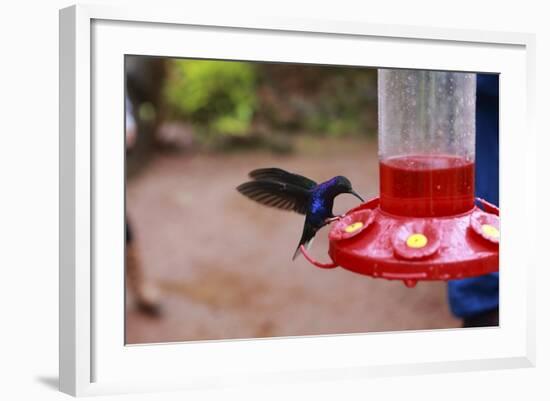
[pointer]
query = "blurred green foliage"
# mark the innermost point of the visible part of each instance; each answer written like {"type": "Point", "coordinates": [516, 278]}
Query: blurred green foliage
{"type": "Point", "coordinates": [318, 100]}
{"type": "Point", "coordinates": [216, 96]}
{"type": "Point", "coordinates": [233, 103]}
{"type": "Point", "coordinates": [345, 103]}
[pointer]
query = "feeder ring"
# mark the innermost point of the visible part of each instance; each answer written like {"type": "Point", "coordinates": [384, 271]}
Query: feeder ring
{"type": "Point", "coordinates": [330, 265]}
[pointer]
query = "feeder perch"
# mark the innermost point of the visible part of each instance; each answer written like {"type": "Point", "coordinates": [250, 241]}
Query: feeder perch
{"type": "Point", "coordinates": [426, 224]}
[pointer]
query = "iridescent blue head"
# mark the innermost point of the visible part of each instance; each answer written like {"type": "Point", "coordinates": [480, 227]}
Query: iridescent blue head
{"type": "Point", "coordinates": [341, 185]}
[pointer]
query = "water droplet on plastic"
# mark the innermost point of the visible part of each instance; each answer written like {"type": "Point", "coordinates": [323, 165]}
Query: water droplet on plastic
{"type": "Point", "coordinates": [410, 283]}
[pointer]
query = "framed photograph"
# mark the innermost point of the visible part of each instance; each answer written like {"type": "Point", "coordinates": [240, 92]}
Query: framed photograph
{"type": "Point", "coordinates": [180, 138]}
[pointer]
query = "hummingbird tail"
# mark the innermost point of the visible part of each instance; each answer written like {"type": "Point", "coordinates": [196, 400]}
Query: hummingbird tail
{"type": "Point", "coordinates": [306, 241]}
{"type": "Point", "coordinates": [297, 252]}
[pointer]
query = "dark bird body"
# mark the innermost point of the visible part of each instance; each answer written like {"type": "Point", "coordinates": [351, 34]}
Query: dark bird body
{"type": "Point", "coordinates": [278, 188]}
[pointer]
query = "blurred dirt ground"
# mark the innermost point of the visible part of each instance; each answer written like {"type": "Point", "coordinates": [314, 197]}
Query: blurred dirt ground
{"type": "Point", "coordinates": [223, 263]}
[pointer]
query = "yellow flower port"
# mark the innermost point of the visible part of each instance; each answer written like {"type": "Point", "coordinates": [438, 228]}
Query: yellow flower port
{"type": "Point", "coordinates": [353, 227]}
{"type": "Point", "coordinates": [417, 241]}
{"type": "Point", "coordinates": [490, 231]}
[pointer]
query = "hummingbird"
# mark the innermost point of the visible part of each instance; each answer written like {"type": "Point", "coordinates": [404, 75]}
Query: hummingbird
{"type": "Point", "coordinates": [281, 189]}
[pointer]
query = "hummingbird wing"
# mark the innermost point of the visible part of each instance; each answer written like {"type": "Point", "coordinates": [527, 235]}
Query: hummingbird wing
{"type": "Point", "coordinates": [280, 175]}
{"type": "Point", "coordinates": [277, 194]}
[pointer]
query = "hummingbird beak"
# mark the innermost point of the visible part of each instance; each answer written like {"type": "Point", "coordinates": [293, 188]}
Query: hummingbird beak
{"type": "Point", "coordinates": [356, 195]}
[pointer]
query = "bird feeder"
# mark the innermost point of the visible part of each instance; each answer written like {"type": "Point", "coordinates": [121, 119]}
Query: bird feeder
{"type": "Point", "coordinates": [426, 223]}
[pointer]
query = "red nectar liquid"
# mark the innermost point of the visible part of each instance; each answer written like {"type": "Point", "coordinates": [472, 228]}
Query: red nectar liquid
{"type": "Point", "coordinates": [426, 185]}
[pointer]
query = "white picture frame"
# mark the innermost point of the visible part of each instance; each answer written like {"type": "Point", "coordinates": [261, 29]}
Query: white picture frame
{"type": "Point", "coordinates": [93, 357]}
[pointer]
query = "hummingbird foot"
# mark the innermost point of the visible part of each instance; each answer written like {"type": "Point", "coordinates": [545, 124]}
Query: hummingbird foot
{"type": "Point", "coordinates": [333, 219]}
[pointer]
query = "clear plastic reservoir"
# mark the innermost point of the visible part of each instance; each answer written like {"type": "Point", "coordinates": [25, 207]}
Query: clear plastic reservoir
{"type": "Point", "coordinates": [426, 122]}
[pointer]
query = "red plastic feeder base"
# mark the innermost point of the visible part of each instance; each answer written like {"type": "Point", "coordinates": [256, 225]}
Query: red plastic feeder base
{"type": "Point", "coordinates": [371, 242]}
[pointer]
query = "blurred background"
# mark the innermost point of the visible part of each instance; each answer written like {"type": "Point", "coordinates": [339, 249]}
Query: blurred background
{"type": "Point", "coordinates": [206, 263]}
